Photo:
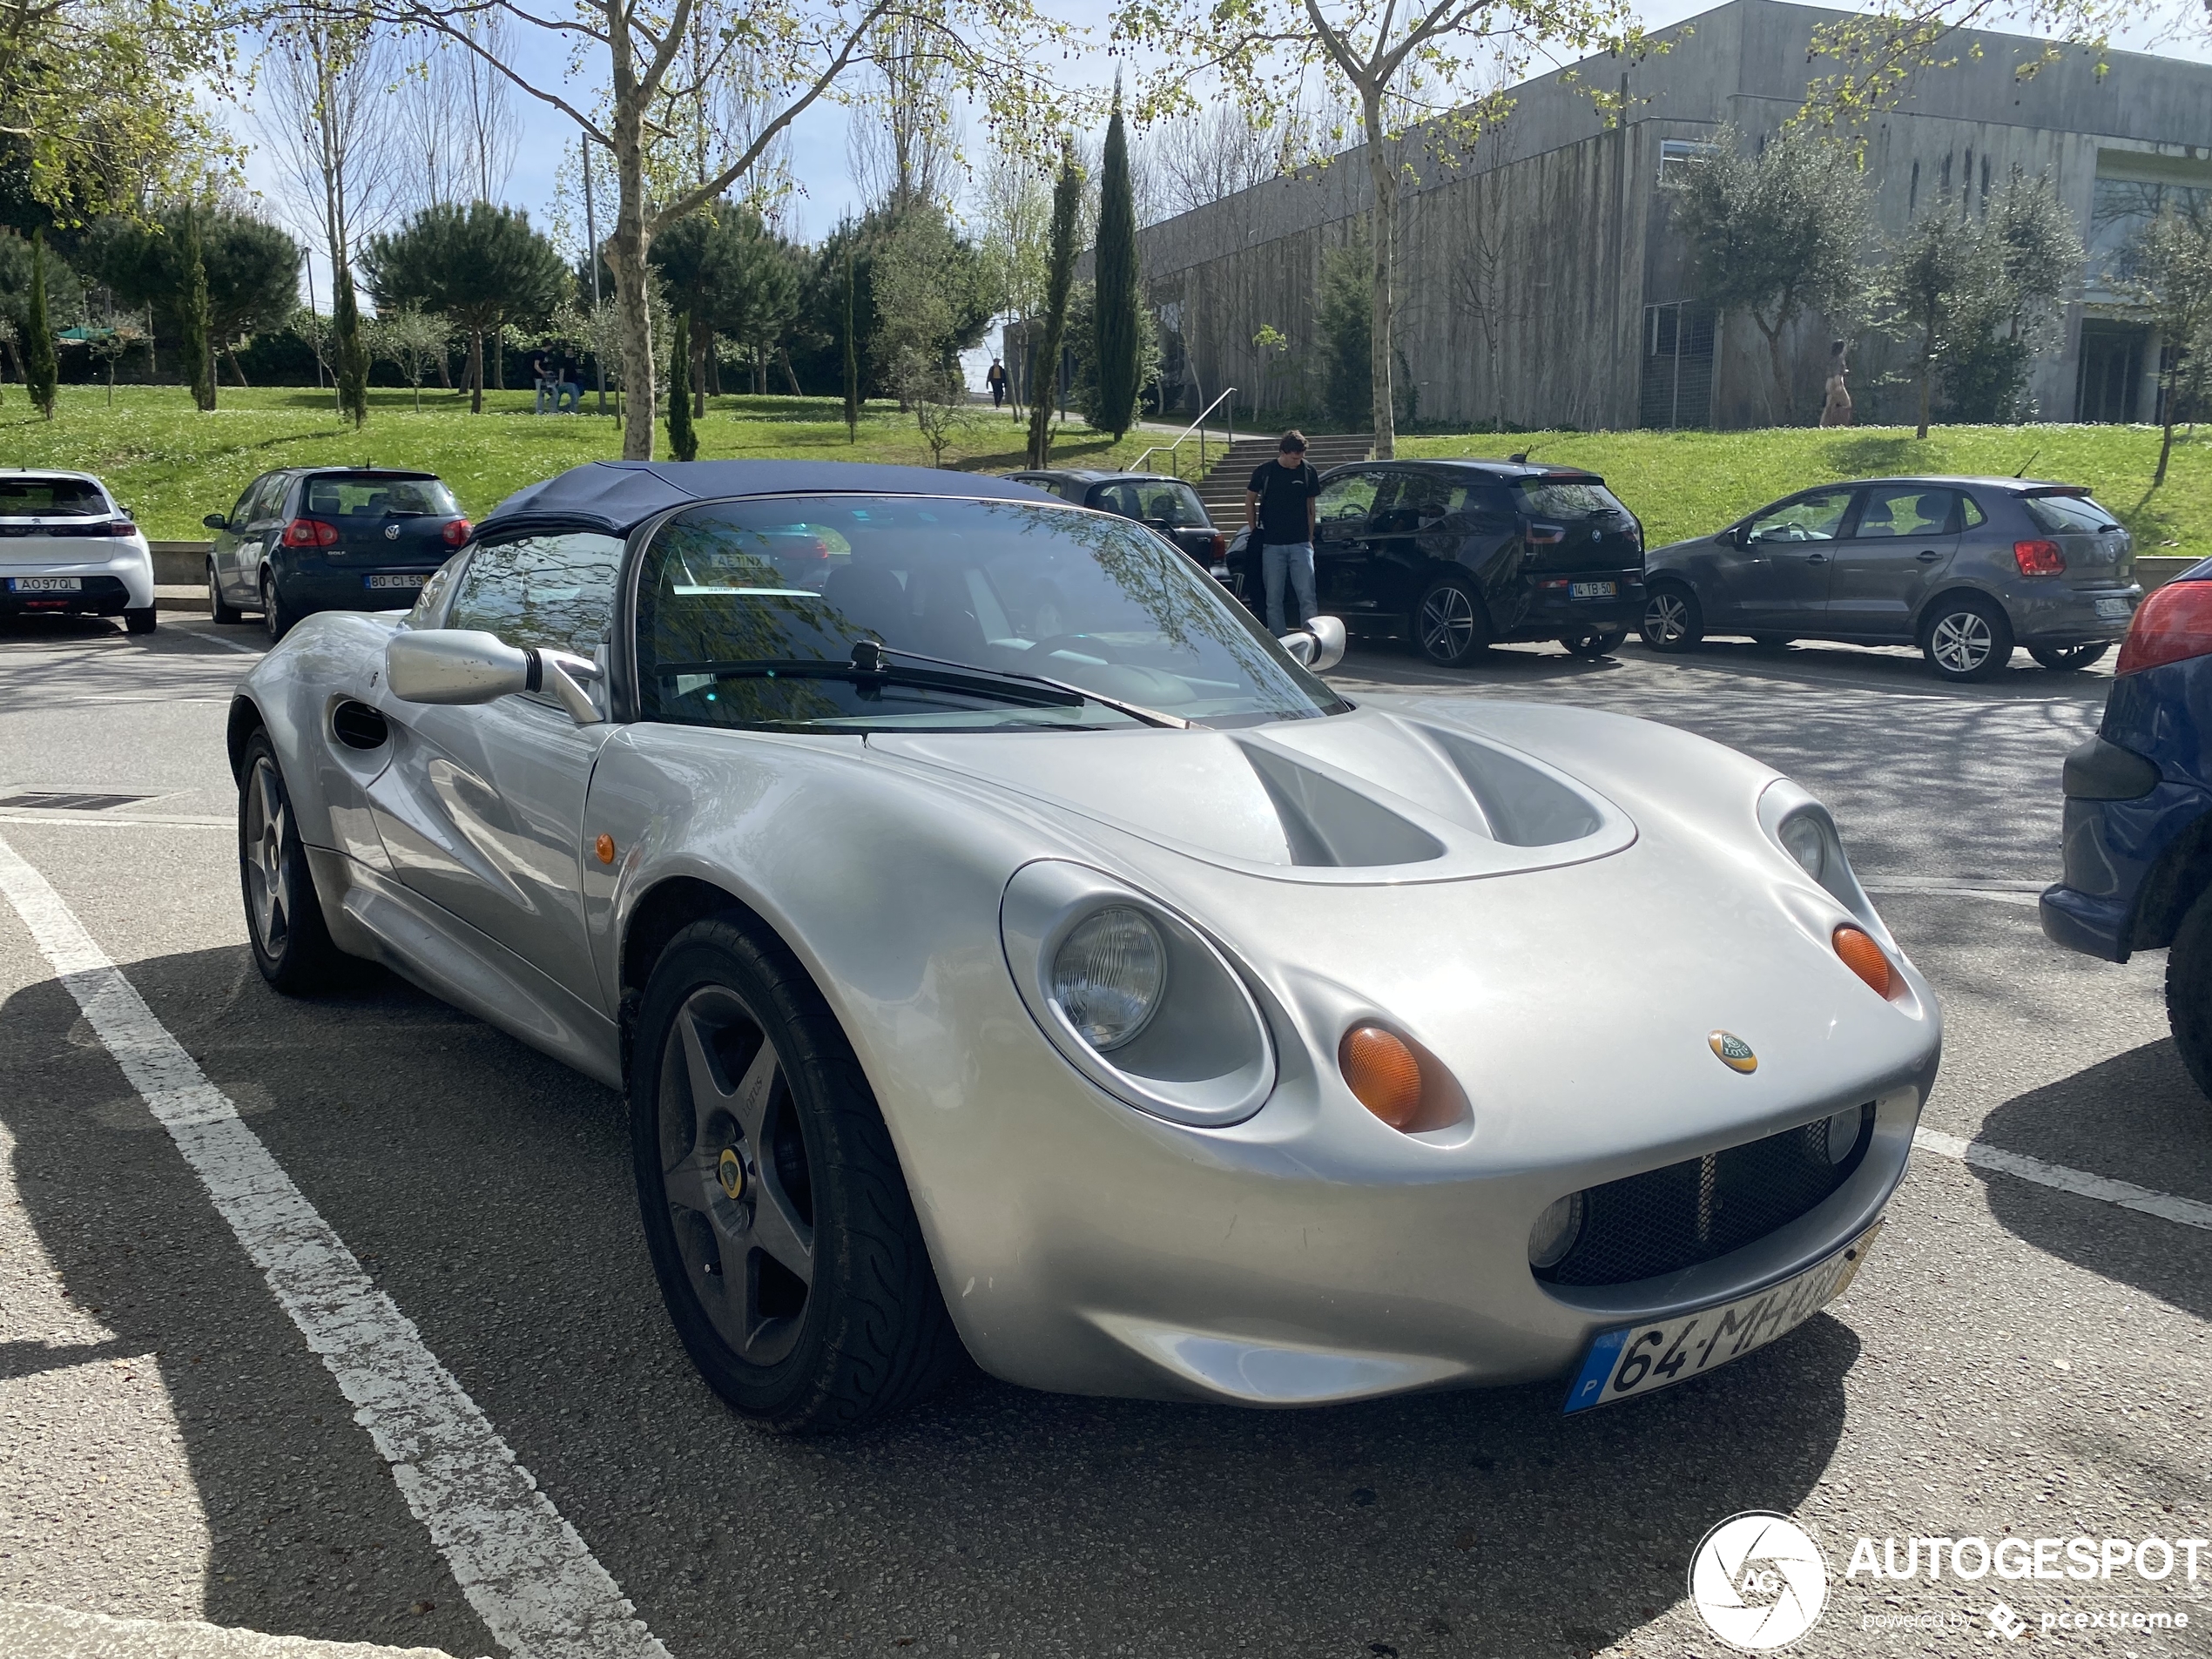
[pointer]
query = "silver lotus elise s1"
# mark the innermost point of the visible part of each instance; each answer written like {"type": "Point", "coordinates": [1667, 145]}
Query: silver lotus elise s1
{"type": "Point", "coordinates": [1006, 945]}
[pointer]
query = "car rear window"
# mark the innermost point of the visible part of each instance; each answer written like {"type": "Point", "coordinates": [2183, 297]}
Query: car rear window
{"type": "Point", "coordinates": [1566, 497]}
{"type": "Point", "coordinates": [1177, 505]}
{"type": "Point", "coordinates": [2060, 513]}
{"type": "Point", "coordinates": [51, 498]}
{"type": "Point", "coordinates": [371, 496]}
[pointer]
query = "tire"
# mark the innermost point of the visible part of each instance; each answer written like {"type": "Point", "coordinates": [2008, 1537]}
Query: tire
{"type": "Point", "coordinates": [1967, 638]}
{"type": "Point", "coordinates": [796, 1277]}
{"type": "Point", "coordinates": [2189, 992]}
{"type": "Point", "coordinates": [1673, 620]}
{"type": "Point", "coordinates": [284, 920]}
{"type": "Point", "coordinates": [1599, 641]}
{"type": "Point", "coordinates": [219, 608]}
{"type": "Point", "coordinates": [1451, 627]}
{"type": "Point", "coordinates": [277, 616]}
{"type": "Point", "coordinates": [2061, 659]}
{"type": "Point", "coordinates": [139, 619]}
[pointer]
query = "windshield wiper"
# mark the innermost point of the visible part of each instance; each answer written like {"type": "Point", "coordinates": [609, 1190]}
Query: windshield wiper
{"type": "Point", "coordinates": [868, 659]}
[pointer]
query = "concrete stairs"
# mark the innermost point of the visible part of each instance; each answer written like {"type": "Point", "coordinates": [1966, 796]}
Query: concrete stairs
{"type": "Point", "coordinates": [1222, 488]}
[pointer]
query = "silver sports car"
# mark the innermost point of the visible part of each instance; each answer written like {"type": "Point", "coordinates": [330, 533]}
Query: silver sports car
{"type": "Point", "coordinates": [1008, 947]}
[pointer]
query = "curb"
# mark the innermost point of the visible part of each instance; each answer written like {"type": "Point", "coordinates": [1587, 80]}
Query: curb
{"type": "Point", "coordinates": [33, 1630]}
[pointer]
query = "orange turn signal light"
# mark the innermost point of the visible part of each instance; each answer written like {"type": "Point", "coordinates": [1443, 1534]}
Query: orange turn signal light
{"type": "Point", "coordinates": [1864, 958]}
{"type": "Point", "coordinates": [1384, 1073]}
{"type": "Point", "coordinates": [604, 846]}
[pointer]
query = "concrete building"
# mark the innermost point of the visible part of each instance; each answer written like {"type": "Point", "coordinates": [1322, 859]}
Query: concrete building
{"type": "Point", "coordinates": [1539, 280]}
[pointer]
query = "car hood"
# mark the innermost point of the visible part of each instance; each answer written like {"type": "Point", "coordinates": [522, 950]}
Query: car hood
{"type": "Point", "coordinates": [1373, 796]}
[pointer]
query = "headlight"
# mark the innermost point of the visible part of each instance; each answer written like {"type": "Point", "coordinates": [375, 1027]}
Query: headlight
{"type": "Point", "coordinates": [1108, 975]}
{"type": "Point", "coordinates": [1802, 839]}
{"type": "Point", "coordinates": [1555, 1231]}
{"type": "Point", "coordinates": [1134, 996]}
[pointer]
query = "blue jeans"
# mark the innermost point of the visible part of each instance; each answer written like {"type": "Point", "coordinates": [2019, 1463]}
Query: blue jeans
{"type": "Point", "coordinates": [570, 392]}
{"type": "Point", "coordinates": [1295, 559]}
{"type": "Point", "coordinates": [547, 390]}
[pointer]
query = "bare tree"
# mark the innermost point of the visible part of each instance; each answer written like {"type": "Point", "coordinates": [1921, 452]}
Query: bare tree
{"type": "Point", "coordinates": [455, 121]}
{"type": "Point", "coordinates": [902, 145]}
{"type": "Point", "coordinates": [1200, 158]}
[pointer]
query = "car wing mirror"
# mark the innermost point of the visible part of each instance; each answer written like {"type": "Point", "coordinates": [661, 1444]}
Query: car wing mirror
{"type": "Point", "coordinates": [465, 666]}
{"type": "Point", "coordinates": [216, 522]}
{"type": "Point", "coordinates": [1318, 646]}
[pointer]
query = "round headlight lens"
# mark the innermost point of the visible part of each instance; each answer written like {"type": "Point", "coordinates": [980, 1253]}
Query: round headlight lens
{"type": "Point", "coordinates": [1801, 836]}
{"type": "Point", "coordinates": [1842, 1134]}
{"type": "Point", "coordinates": [1109, 975]}
{"type": "Point", "coordinates": [1555, 1231]}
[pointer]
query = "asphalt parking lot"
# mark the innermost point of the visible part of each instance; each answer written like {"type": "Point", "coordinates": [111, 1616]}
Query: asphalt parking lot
{"type": "Point", "coordinates": [2016, 1358]}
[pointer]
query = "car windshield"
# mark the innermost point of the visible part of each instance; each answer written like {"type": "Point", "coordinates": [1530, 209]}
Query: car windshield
{"type": "Point", "coordinates": [1161, 502]}
{"type": "Point", "coordinates": [2059, 514]}
{"type": "Point", "coordinates": [1567, 498]}
{"type": "Point", "coordinates": [748, 613]}
{"type": "Point", "coordinates": [51, 498]}
{"type": "Point", "coordinates": [371, 496]}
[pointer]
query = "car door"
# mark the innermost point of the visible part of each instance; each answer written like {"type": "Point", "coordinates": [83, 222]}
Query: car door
{"type": "Point", "coordinates": [1778, 581]}
{"type": "Point", "coordinates": [264, 522]}
{"type": "Point", "coordinates": [1900, 543]}
{"type": "Point", "coordinates": [481, 808]}
{"type": "Point", "coordinates": [222, 552]}
{"type": "Point", "coordinates": [1348, 507]}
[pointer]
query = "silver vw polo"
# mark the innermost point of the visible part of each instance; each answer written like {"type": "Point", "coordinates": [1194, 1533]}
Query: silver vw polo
{"type": "Point", "coordinates": [1007, 946]}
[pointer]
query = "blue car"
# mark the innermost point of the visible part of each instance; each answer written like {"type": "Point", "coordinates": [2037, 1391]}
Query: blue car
{"type": "Point", "coordinates": [2138, 842]}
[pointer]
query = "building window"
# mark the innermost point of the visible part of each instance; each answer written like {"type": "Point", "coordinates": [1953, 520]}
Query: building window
{"type": "Point", "coordinates": [1677, 156]}
{"type": "Point", "coordinates": [1677, 384]}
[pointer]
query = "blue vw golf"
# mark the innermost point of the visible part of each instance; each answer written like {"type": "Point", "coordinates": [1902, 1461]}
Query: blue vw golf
{"type": "Point", "coordinates": [2138, 842]}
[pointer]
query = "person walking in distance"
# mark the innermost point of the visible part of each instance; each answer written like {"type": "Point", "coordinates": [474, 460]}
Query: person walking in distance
{"type": "Point", "coordinates": [1836, 409]}
{"type": "Point", "coordinates": [996, 381]}
{"type": "Point", "coordinates": [1280, 506]}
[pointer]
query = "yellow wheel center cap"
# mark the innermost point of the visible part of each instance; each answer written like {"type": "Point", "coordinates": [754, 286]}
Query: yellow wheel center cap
{"type": "Point", "coordinates": [729, 1169]}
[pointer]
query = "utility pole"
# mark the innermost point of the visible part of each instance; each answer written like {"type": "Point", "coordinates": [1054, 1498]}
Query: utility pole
{"type": "Point", "coordinates": [591, 259]}
{"type": "Point", "coordinates": [309, 262]}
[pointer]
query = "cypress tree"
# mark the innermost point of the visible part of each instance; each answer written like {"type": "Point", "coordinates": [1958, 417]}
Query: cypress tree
{"type": "Point", "coordinates": [39, 368]}
{"type": "Point", "coordinates": [1116, 313]}
{"type": "Point", "coordinates": [851, 361]}
{"type": "Point", "coordinates": [351, 349]}
{"type": "Point", "coordinates": [199, 355]}
{"type": "Point", "coordinates": [1060, 277]}
{"type": "Point", "coordinates": [683, 436]}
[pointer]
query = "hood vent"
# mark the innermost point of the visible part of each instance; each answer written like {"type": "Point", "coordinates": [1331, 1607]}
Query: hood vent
{"type": "Point", "coordinates": [1325, 824]}
{"type": "Point", "coordinates": [1520, 805]}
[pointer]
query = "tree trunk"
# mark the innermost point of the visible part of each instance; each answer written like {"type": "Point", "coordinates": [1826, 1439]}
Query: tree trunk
{"type": "Point", "coordinates": [1779, 364]}
{"type": "Point", "coordinates": [239, 368]}
{"type": "Point", "coordinates": [789, 373]}
{"type": "Point", "coordinates": [475, 371]}
{"type": "Point", "coordinates": [626, 248]}
{"type": "Point", "coordinates": [1383, 234]}
{"type": "Point", "coordinates": [444, 378]}
{"type": "Point", "coordinates": [2165, 443]}
{"type": "Point", "coordinates": [700, 356]}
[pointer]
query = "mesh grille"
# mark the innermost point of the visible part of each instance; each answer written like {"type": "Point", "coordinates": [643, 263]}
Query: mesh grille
{"type": "Point", "coordinates": [1664, 1220]}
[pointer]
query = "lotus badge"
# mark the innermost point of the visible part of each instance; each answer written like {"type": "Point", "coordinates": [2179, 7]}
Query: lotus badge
{"type": "Point", "coordinates": [1734, 1052]}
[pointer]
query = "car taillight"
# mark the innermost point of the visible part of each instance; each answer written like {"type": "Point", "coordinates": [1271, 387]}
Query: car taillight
{"type": "Point", "coordinates": [1546, 535]}
{"type": "Point", "coordinates": [456, 532]}
{"type": "Point", "coordinates": [2039, 558]}
{"type": "Point", "coordinates": [120, 528]}
{"type": "Point", "coordinates": [310, 532]}
{"type": "Point", "coordinates": [2174, 624]}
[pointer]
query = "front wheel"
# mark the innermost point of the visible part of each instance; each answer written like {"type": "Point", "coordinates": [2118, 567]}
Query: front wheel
{"type": "Point", "coordinates": [1672, 619]}
{"type": "Point", "coordinates": [1451, 627]}
{"type": "Point", "coordinates": [1965, 638]}
{"type": "Point", "coordinates": [292, 944]}
{"type": "Point", "coordinates": [1596, 643]}
{"type": "Point", "coordinates": [2064, 658]}
{"type": "Point", "coordinates": [2189, 992]}
{"type": "Point", "coordinates": [774, 1207]}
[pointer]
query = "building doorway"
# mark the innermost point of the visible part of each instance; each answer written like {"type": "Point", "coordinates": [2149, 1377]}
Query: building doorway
{"type": "Point", "coordinates": [1677, 387]}
{"type": "Point", "coordinates": [2111, 370]}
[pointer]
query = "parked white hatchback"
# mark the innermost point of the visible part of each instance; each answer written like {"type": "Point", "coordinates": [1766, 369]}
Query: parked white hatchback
{"type": "Point", "coordinates": [66, 549]}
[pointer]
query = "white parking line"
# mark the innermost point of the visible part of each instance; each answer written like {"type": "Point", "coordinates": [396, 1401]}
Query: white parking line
{"type": "Point", "coordinates": [2165, 1205]}
{"type": "Point", "coordinates": [523, 1569]}
{"type": "Point", "coordinates": [217, 639]}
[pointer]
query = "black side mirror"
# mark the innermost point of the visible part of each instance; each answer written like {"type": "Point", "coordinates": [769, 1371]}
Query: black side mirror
{"type": "Point", "coordinates": [216, 522]}
{"type": "Point", "coordinates": [1737, 536]}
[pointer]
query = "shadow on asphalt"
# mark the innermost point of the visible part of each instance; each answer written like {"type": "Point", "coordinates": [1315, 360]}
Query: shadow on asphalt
{"type": "Point", "coordinates": [488, 1191]}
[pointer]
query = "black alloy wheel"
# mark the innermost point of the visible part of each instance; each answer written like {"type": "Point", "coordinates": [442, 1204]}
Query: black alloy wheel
{"type": "Point", "coordinates": [1451, 627]}
{"type": "Point", "coordinates": [1967, 638]}
{"type": "Point", "coordinates": [1595, 644]}
{"type": "Point", "coordinates": [780, 1228]}
{"type": "Point", "coordinates": [277, 616]}
{"type": "Point", "coordinates": [2066, 658]}
{"type": "Point", "coordinates": [284, 922]}
{"type": "Point", "coordinates": [1673, 620]}
{"type": "Point", "coordinates": [219, 608]}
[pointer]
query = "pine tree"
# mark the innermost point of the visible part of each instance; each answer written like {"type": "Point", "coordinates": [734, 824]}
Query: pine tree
{"type": "Point", "coordinates": [352, 349]}
{"type": "Point", "coordinates": [1116, 314]}
{"type": "Point", "coordinates": [1060, 277]}
{"type": "Point", "coordinates": [39, 369]}
{"type": "Point", "coordinates": [851, 361]}
{"type": "Point", "coordinates": [683, 436]}
{"type": "Point", "coordinates": [199, 354]}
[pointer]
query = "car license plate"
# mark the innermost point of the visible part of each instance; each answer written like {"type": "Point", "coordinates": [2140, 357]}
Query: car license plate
{"type": "Point", "coordinates": [1643, 1358]}
{"type": "Point", "coordinates": [2112, 610]}
{"type": "Point", "coordinates": [1592, 589]}
{"type": "Point", "coordinates": [46, 583]}
{"type": "Point", "coordinates": [394, 581]}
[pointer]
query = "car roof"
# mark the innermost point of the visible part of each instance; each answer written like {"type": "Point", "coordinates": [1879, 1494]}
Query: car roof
{"type": "Point", "coordinates": [617, 496]}
{"type": "Point", "coordinates": [50, 472]}
{"type": "Point", "coordinates": [1949, 480]}
{"type": "Point", "coordinates": [1502, 471]}
{"type": "Point", "coordinates": [1091, 475]}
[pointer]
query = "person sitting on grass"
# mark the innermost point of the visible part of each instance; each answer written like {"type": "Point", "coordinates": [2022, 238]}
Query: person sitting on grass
{"type": "Point", "coordinates": [568, 382]}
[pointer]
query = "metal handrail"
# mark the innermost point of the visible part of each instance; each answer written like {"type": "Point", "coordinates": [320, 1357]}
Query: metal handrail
{"type": "Point", "coordinates": [1198, 426]}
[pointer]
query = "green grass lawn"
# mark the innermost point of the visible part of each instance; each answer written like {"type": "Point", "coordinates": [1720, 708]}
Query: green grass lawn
{"type": "Point", "coordinates": [170, 465]}
{"type": "Point", "coordinates": [1689, 483]}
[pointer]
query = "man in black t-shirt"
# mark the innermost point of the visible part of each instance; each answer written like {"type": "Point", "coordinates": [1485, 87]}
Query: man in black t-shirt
{"type": "Point", "coordinates": [1280, 508]}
